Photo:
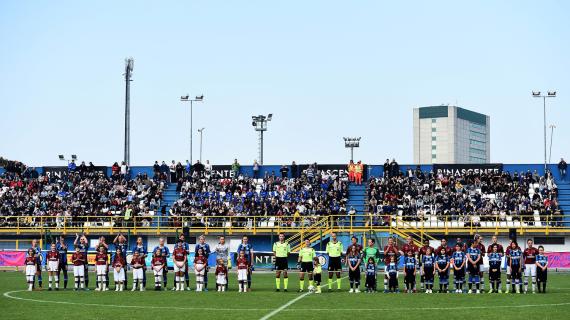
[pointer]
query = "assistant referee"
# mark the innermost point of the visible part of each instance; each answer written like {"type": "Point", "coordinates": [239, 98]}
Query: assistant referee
{"type": "Point", "coordinates": [281, 250]}
{"type": "Point", "coordinates": [334, 250]}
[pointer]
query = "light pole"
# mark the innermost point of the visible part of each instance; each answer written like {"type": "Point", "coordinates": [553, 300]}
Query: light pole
{"type": "Point", "coordinates": [550, 94]}
{"type": "Point", "coordinates": [351, 143]}
{"type": "Point", "coordinates": [201, 130]}
{"type": "Point", "coordinates": [552, 127]}
{"type": "Point", "coordinates": [129, 64]}
{"type": "Point", "coordinates": [62, 158]}
{"type": "Point", "coordinates": [260, 124]}
{"type": "Point", "coordinates": [187, 98]}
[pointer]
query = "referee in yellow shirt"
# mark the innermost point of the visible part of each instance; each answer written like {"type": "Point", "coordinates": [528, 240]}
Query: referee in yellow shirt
{"type": "Point", "coordinates": [281, 250]}
{"type": "Point", "coordinates": [306, 255]}
{"type": "Point", "coordinates": [334, 250]}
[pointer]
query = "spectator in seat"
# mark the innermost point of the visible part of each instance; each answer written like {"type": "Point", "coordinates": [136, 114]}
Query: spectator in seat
{"type": "Point", "coordinates": [358, 170]}
{"type": "Point", "coordinates": [198, 168]}
{"type": "Point", "coordinates": [387, 168]}
{"type": "Point", "coordinates": [562, 166]}
{"type": "Point", "coordinates": [351, 171]}
{"type": "Point", "coordinates": [71, 166]}
{"type": "Point", "coordinates": [179, 171]}
{"type": "Point", "coordinates": [207, 169]}
{"type": "Point", "coordinates": [255, 169]}
{"type": "Point", "coordinates": [164, 169]}
{"type": "Point", "coordinates": [156, 169]}
{"type": "Point", "coordinates": [115, 169]}
{"type": "Point", "coordinates": [172, 169]}
{"type": "Point", "coordinates": [235, 167]}
{"type": "Point", "coordinates": [124, 170]}
{"type": "Point", "coordinates": [294, 170]}
{"type": "Point", "coordinates": [188, 168]}
{"type": "Point", "coordinates": [284, 171]}
{"type": "Point", "coordinates": [394, 168]}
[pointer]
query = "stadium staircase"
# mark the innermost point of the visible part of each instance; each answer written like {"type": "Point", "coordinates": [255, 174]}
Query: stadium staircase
{"type": "Point", "coordinates": [357, 200]}
{"type": "Point", "coordinates": [169, 196]}
{"type": "Point", "coordinates": [564, 199]}
{"type": "Point", "coordinates": [316, 232]}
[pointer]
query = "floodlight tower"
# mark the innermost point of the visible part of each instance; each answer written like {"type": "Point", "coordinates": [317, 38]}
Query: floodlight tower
{"type": "Point", "coordinates": [351, 143]}
{"type": "Point", "coordinates": [187, 98]}
{"type": "Point", "coordinates": [129, 64]}
{"type": "Point", "coordinates": [550, 94]}
{"type": "Point", "coordinates": [260, 124]}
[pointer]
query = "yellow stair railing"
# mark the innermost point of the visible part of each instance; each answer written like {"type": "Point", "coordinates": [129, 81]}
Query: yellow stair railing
{"type": "Point", "coordinates": [405, 229]}
{"type": "Point", "coordinates": [312, 232]}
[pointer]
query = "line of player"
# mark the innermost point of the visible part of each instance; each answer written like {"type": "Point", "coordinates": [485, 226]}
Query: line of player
{"type": "Point", "coordinates": [465, 259]}
{"type": "Point", "coordinates": [57, 263]}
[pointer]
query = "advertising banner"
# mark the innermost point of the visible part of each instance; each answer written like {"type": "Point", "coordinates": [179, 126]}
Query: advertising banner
{"type": "Point", "coordinates": [12, 258]}
{"type": "Point", "coordinates": [470, 168]}
{"type": "Point", "coordinates": [335, 169]}
{"type": "Point", "coordinates": [62, 172]}
{"type": "Point", "coordinates": [558, 260]}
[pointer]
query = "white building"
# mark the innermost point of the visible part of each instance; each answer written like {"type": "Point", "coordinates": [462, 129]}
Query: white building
{"type": "Point", "coordinates": [449, 134]}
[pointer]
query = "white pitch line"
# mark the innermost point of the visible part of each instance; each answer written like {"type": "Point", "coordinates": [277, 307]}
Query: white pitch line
{"type": "Point", "coordinates": [285, 306]}
{"type": "Point", "coordinates": [10, 296]}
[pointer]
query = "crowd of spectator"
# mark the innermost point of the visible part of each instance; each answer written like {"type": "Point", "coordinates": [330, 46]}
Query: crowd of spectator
{"type": "Point", "coordinates": [471, 198]}
{"type": "Point", "coordinates": [293, 201]}
{"type": "Point", "coordinates": [58, 199]}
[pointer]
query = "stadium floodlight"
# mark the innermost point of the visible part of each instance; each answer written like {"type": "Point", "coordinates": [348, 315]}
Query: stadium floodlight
{"type": "Point", "coordinates": [550, 94]}
{"type": "Point", "coordinates": [61, 157]}
{"type": "Point", "coordinates": [129, 66]}
{"type": "Point", "coordinates": [74, 157]}
{"type": "Point", "coordinates": [351, 143]}
{"type": "Point", "coordinates": [201, 130]}
{"type": "Point", "coordinates": [260, 124]}
{"type": "Point", "coordinates": [187, 98]}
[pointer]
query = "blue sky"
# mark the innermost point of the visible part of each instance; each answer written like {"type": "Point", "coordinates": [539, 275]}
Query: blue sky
{"type": "Point", "coordinates": [325, 69]}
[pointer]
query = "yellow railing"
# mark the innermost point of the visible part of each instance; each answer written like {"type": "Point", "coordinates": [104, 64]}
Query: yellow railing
{"type": "Point", "coordinates": [299, 227]}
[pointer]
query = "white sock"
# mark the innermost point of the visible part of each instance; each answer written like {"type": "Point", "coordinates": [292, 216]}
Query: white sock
{"type": "Point", "coordinates": [56, 281]}
{"type": "Point", "coordinates": [50, 278]}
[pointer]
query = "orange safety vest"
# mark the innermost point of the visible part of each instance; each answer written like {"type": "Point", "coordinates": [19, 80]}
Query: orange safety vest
{"type": "Point", "coordinates": [359, 168]}
{"type": "Point", "coordinates": [351, 167]}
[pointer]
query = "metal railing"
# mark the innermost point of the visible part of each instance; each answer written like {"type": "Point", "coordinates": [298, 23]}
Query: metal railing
{"type": "Point", "coordinates": [304, 225]}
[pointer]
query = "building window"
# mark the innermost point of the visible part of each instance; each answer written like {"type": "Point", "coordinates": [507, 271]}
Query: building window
{"type": "Point", "coordinates": [433, 138]}
{"type": "Point", "coordinates": [433, 147]}
{"type": "Point", "coordinates": [432, 129]}
{"type": "Point", "coordinates": [433, 156]}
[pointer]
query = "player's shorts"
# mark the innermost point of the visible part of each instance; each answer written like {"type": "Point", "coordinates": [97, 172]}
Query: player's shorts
{"type": "Point", "coordinates": [409, 276]}
{"type": "Point", "coordinates": [30, 270]}
{"type": "Point", "coordinates": [281, 263]}
{"type": "Point", "coordinates": [541, 275]}
{"type": "Point", "coordinates": [317, 277]}
{"type": "Point", "coordinates": [307, 267]}
{"type": "Point", "coordinates": [179, 269]}
{"type": "Point", "coordinates": [221, 279]}
{"type": "Point", "coordinates": [101, 269]}
{"type": "Point", "coordinates": [443, 275]}
{"type": "Point", "coordinates": [459, 274]}
{"type": "Point", "coordinates": [428, 273]}
{"type": "Point", "coordinates": [494, 274]}
{"type": "Point", "coordinates": [53, 266]}
{"type": "Point", "coordinates": [119, 276]}
{"type": "Point", "coordinates": [530, 270]}
{"type": "Point", "coordinates": [157, 271]}
{"type": "Point", "coordinates": [334, 264]}
{"type": "Point", "coordinates": [138, 274]}
{"type": "Point", "coordinates": [79, 271]}
{"type": "Point", "coordinates": [516, 273]}
{"type": "Point", "coordinates": [472, 269]}
{"type": "Point", "coordinates": [202, 272]}
{"type": "Point", "coordinates": [242, 274]}
{"type": "Point", "coordinates": [62, 265]}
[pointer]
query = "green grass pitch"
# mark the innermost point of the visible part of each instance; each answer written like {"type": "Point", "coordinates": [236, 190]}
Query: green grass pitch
{"type": "Point", "coordinates": [263, 301]}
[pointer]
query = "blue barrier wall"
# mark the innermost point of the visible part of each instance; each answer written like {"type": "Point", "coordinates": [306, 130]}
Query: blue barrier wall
{"type": "Point", "coordinates": [372, 170]}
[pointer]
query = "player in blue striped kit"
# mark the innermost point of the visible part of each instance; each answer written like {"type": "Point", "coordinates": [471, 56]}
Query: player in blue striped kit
{"type": "Point", "coordinates": [458, 261]}
{"type": "Point", "coordinates": [428, 269]}
{"type": "Point", "coordinates": [495, 259]}
{"type": "Point", "coordinates": [541, 269]}
{"type": "Point", "coordinates": [473, 259]}
{"type": "Point", "coordinates": [61, 247]}
{"type": "Point", "coordinates": [442, 268]}
{"type": "Point", "coordinates": [515, 263]}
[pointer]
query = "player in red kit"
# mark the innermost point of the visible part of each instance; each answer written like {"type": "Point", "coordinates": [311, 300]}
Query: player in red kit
{"type": "Point", "coordinates": [53, 266]}
{"type": "Point", "coordinates": [242, 266]}
{"type": "Point", "coordinates": [79, 260]}
{"type": "Point", "coordinates": [529, 256]}
{"type": "Point", "coordinates": [158, 264]}
{"type": "Point", "coordinates": [221, 275]}
{"type": "Point", "coordinates": [119, 264]}
{"type": "Point", "coordinates": [180, 257]}
{"type": "Point", "coordinates": [423, 252]}
{"type": "Point", "coordinates": [101, 265]}
{"type": "Point", "coordinates": [495, 243]}
{"type": "Point", "coordinates": [200, 264]}
{"type": "Point", "coordinates": [390, 251]}
{"type": "Point", "coordinates": [30, 268]}
{"type": "Point", "coordinates": [137, 264]}
{"type": "Point", "coordinates": [448, 249]}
